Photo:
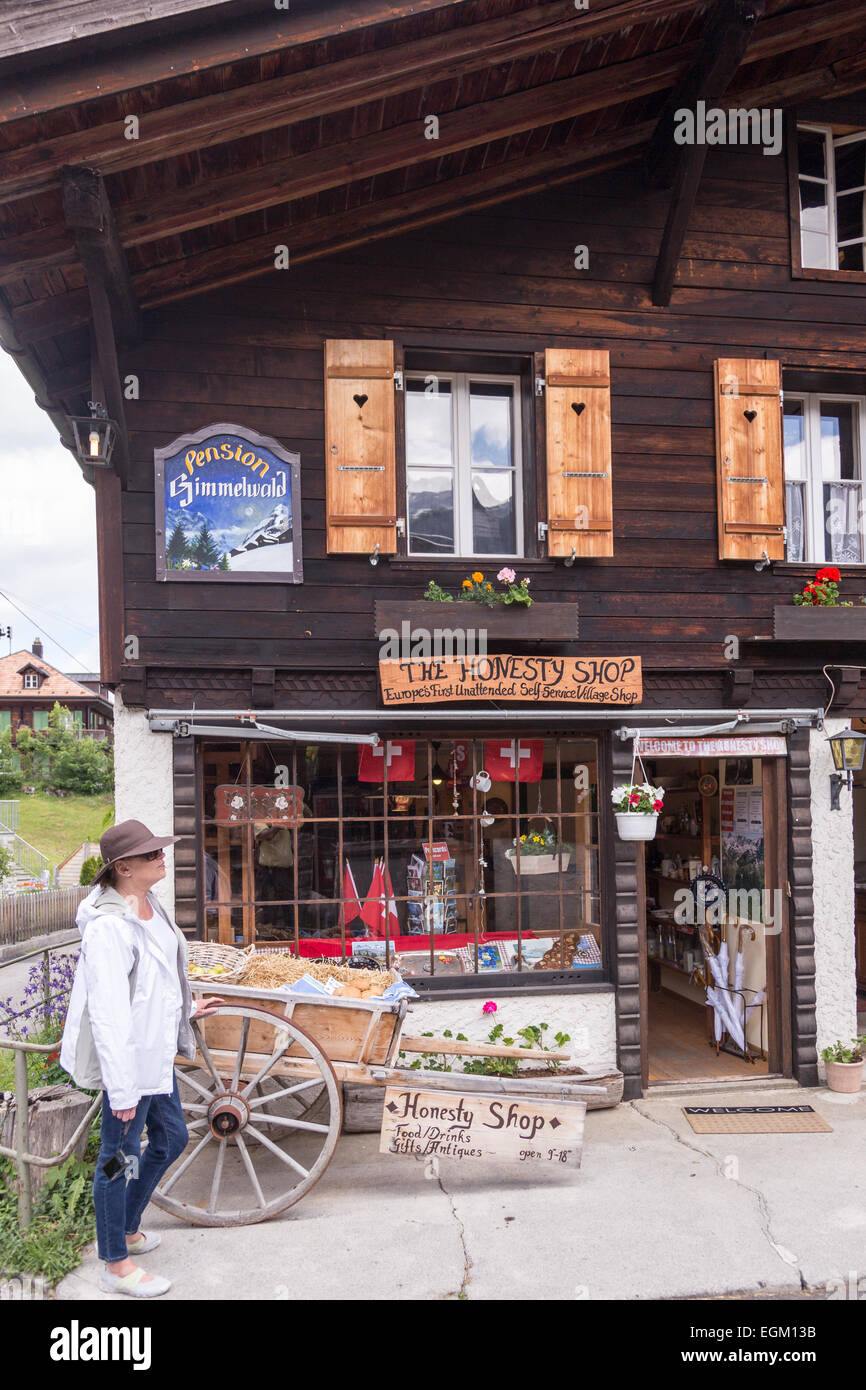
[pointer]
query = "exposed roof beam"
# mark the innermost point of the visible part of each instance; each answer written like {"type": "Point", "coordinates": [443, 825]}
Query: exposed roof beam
{"type": "Point", "coordinates": [28, 25]}
{"type": "Point", "coordinates": [721, 53]}
{"type": "Point", "coordinates": [730, 30]}
{"type": "Point", "coordinates": [260, 106]}
{"type": "Point", "coordinates": [209, 45]}
{"type": "Point", "coordinates": [113, 305]}
{"type": "Point", "coordinates": [89, 218]}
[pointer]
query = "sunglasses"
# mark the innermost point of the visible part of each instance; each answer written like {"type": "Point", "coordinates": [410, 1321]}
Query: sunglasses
{"type": "Point", "coordinates": [150, 856]}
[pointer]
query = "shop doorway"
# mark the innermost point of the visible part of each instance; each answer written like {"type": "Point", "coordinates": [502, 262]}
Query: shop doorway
{"type": "Point", "coordinates": [713, 963]}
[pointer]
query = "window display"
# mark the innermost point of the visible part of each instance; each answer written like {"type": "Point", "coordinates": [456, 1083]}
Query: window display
{"type": "Point", "coordinates": [442, 856]}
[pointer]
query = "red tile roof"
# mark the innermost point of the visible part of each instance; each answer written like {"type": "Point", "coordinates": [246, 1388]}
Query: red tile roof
{"type": "Point", "coordinates": [55, 685]}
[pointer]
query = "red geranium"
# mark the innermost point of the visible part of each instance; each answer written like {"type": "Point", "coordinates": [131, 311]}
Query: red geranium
{"type": "Point", "coordinates": [830, 573]}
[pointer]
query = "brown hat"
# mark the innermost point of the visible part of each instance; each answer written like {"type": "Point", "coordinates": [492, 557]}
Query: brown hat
{"type": "Point", "coordinates": [126, 840]}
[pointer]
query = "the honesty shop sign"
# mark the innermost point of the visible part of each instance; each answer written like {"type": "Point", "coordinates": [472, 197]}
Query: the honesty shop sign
{"type": "Point", "coordinates": [556, 680]}
{"type": "Point", "coordinates": [448, 1124]}
{"type": "Point", "coordinates": [228, 508]}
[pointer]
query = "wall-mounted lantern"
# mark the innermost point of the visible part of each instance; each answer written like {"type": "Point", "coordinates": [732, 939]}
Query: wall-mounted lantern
{"type": "Point", "coordinates": [95, 436]}
{"type": "Point", "coordinates": [848, 748]}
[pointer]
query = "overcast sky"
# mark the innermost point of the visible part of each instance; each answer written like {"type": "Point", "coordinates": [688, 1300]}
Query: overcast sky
{"type": "Point", "coordinates": [47, 535]}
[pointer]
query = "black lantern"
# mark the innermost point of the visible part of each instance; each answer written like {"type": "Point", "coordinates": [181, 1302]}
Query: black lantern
{"type": "Point", "coordinates": [848, 748]}
{"type": "Point", "coordinates": [94, 436]}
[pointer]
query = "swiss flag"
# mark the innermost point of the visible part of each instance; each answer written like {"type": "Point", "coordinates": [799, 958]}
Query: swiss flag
{"type": "Point", "coordinates": [351, 907]}
{"type": "Point", "coordinates": [373, 911]}
{"type": "Point", "coordinates": [503, 756]}
{"type": "Point", "coordinates": [399, 758]}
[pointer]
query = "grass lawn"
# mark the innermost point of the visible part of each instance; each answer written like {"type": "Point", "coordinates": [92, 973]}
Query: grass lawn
{"type": "Point", "coordinates": [56, 825]}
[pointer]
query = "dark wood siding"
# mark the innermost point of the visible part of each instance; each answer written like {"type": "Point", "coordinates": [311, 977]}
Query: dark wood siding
{"type": "Point", "coordinates": [504, 282]}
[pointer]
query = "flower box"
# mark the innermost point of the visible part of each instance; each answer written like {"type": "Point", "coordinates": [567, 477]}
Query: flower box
{"type": "Point", "coordinates": [556, 622]}
{"type": "Point", "coordinates": [794, 623]}
{"type": "Point", "coordinates": [538, 863]}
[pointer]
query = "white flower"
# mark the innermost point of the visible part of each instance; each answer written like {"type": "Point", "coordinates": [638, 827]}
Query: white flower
{"type": "Point", "coordinates": [281, 802]}
{"type": "Point", "coordinates": [237, 802]}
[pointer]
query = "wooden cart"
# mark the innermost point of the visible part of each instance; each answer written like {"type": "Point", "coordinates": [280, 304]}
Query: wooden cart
{"type": "Point", "coordinates": [263, 1096]}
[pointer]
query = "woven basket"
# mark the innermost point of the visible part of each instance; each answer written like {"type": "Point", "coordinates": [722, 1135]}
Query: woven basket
{"type": "Point", "coordinates": [208, 954]}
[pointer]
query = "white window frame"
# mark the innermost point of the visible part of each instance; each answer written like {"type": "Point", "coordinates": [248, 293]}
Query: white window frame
{"type": "Point", "coordinates": [31, 680]}
{"type": "Point", "coordinates": [462, 462]}
{"type": "Point", "coordinates": [813, 512]}
{"type": "Point", "coordinates": [831, 144]}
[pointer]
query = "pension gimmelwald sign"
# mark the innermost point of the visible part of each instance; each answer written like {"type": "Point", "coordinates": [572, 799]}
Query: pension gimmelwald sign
{"type": "Point", "coordinates": [592, 680]}
{"type": "Point", "coordinates": [228, 507]}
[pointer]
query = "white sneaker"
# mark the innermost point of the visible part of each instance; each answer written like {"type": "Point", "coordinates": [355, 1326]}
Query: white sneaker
{"type": "Point", "coordinates": [132, 1283]}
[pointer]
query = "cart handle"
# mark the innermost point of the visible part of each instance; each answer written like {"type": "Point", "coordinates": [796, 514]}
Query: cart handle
{"type": "Point", "coordinates": [471, 1049]}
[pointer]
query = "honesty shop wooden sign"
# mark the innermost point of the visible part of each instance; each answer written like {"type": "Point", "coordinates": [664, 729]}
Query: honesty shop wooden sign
{"type": "Point", "coordinates": [558, 680]}
{"type": "Point", "coordinates": [446, 1124]}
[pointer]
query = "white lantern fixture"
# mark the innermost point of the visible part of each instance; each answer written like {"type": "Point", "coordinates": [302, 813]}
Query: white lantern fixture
{"type": "Point", "coordinates": [848, 748]}
{"type": "Point", "coordinates": [95, 435]}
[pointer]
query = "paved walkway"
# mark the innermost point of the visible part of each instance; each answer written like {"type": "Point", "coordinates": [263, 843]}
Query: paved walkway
{"type": "Point", "coordinates": [656, 1211]}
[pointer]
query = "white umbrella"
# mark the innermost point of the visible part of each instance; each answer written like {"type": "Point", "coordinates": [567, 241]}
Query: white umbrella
{"type": "Point", "coordinates": [725, 1018]}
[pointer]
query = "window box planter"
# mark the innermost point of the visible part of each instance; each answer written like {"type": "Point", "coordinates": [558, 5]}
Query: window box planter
{"type": "Point", "coordinates": [554, 622]}
{"type": "Point", "coordinates": [538, 863]}
{"type": "Point", "coordinates": [793, 623]}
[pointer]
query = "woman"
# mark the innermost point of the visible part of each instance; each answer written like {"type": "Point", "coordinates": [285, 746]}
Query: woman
{"type": "Point", "coordinates": [129, 1016]}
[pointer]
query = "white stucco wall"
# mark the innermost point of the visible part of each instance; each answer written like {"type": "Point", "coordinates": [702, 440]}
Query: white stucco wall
{"type": "Point", "coordinates": [588, 1018]}
{"type": "Point", "coordinates": [143, 782]}
{"type": "Point", "coordinates": [833, 893]}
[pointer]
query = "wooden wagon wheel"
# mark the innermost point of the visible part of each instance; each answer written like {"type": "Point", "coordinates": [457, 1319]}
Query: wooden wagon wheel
{"type": "Point", "coordinates": [252, 1151]}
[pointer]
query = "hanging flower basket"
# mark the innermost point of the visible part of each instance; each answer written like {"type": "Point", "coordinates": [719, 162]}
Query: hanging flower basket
{"type": "Point", "coordinates": [636, 805]}
{"type": "Point", "coordinates": [538, 863]}
{"type": "Point", "coordinates": [639, 825]}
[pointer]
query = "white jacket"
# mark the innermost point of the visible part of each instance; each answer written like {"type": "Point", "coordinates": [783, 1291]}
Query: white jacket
{"type": "Point", "coordinates": [119, 1037]}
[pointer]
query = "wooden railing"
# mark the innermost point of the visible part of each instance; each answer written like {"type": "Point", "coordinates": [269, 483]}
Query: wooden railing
{"type": "Point", "coordinates": [25, 915]}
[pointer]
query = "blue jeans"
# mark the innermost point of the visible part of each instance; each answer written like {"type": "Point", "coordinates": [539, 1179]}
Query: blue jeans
{"type": "Point", "coordinates": [118, 1203]}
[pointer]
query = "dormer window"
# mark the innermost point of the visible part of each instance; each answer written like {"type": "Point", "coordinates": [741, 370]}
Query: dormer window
{"type": "Point", "coordinates": [31, 680]}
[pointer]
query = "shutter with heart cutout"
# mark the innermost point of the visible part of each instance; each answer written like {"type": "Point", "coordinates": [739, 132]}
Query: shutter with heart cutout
{"type": "Point", "coordinates": [360, 472]}
{"type": "Point", "coordinates": [749, 458]}
{"type": "Point", "coordinates": [579, 491]}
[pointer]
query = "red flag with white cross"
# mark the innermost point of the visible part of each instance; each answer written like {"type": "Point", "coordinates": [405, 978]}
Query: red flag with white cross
{"type": "Point", "coordinates": [502, 758]}
{"type": "Point", "coordinates": [399, 758]}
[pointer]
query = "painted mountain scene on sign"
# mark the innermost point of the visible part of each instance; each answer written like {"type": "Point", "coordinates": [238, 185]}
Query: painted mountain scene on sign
{"type": "Point", "coordinates": [228, 507]}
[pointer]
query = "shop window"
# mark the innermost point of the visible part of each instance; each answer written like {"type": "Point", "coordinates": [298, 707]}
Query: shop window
{"type": "Point", "coordinates": [832, 182]}
{"type": "Point", "coordinates": [824, 437]}
{"type": "Point", "coordinates": [463, 466]}
{"type": "Point", "coordinates": [345, 851]}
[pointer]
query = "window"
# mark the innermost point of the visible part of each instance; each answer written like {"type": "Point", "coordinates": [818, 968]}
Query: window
{"type": "Point", "coordinates": [421, 869]}
{"type": "Point", "coordinates": [5, 719]}
{"type": "Point", "coordinates": [463, 468]}
{"type": "Point", "coordinates": [31, 680]}
{"type": "Point", "coordinates": [832, 177]}
{"type": "Point", "coordinates": [40, 719]}
{"type": "Point", "coordinates": [824, 437]}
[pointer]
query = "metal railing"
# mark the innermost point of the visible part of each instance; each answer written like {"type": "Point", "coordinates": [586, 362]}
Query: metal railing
{"type": "Point", "coordinates": [29, 858]}
{"type": "Point", "coordinates": [21, 1154]}
{"type": "Point", "coordinates": [10, 815]}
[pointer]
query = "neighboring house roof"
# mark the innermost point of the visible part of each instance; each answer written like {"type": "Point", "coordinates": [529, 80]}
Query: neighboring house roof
{"type": "Point", "coordinates": [55, 685]}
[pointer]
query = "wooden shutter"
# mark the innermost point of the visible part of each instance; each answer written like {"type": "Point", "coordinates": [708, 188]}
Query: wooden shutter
{"type": "Point", "coordinates": [751, 473]}
{"type": "Point", "coordinates": [360, 474]}
{"type": "Point", "coordinates": [579, 494]}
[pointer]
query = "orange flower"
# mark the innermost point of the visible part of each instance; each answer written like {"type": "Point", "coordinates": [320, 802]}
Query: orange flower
{"type": "Point", "coordinates": [477, 577]}
{"type": "Point", "coordinates": [467, 584]}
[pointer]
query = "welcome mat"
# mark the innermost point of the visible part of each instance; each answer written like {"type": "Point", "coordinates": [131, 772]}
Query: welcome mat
{"type": "Point", "coordinates": [755, 1119]}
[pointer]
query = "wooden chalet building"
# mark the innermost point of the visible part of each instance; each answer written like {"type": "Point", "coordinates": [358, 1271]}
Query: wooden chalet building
{"type": "Point", "coordinates": [30, 687]}
{"type": "Point", "coordinates": [378, 294]}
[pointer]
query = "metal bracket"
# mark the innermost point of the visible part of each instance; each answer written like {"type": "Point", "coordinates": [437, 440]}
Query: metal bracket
{"type": "Point", "coordinates": [730, 479]}
{"type": "Point", "coordinates": [401, 525]}
{"type": "Point", "coordinates": [398, 380]}
{"type": "Point", "coordinates": [542, 530]}
{"type": "Point", "coordinates": [540, 384]}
